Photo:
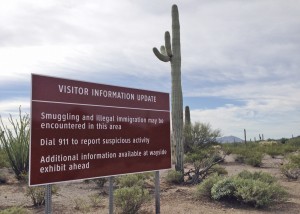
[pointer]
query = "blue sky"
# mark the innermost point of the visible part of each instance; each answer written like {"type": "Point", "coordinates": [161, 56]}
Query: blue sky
{"type": "Point", "coordinates": [240, 59]}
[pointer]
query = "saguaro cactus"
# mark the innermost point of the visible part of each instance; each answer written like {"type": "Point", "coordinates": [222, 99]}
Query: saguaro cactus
{"type": "Point", "coordinates": [187, 130]}
{"type": "Point", "coordinates": [171, 53]}
{"type": "Point", "coordinates": [187, 115]}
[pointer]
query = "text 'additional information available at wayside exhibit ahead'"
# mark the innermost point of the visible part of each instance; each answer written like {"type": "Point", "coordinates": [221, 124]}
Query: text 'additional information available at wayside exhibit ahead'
{"type": "Point", "coordinates": [85, 130]}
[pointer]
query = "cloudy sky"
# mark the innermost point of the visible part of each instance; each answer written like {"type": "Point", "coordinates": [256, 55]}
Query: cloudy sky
{"type": "Point", "coordinates": [240, 59]}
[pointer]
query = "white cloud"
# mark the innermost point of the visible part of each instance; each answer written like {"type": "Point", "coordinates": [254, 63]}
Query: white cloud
{"type": "Point", "coordinates": [242, 50]}
{"type": "Point", "coordinates": [232, 120]}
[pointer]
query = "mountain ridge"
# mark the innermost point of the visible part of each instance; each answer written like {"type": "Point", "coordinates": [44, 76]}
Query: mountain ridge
{"type": "Point", "coordinates": [229, 139]}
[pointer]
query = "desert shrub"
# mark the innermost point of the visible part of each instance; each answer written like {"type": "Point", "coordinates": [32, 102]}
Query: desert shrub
{"type": "Point", "coordinates": [291, 171]}
{"type": "Point", "coordinates": [130, 180]}
{"type": "Point", "coordinates": [37, 194]}
{"type": "Point", "coordinates": [223, 189]}
{"type": "Point", "coordinates": [14, 210]}
{"type": "Point", "coordinates": [204, 189]}
{"type": "Point", "coordinates": [203, 161]}
{"type": "Point", "coordinates": [292, 168]}
{"type": "Point", "coordinates": [100, 182]}
{"type": "Point", "coordinates": [289, 148]}
{"type": "Point", "coordinates": [283, 140]}
{"type": "Point", "coordinates": [130, 199]}
{"type": "Point", "coordinates": [261, 176]}
{"type": "Point", "coordinates": [174, 177]}
{"type": "Point", "coordinates": [258, 193]}
{"type": "Point", "coordinates": [250, 153]}
{"type": "Point", "coordinates": [254, 159]}
{"type": "Point", "coordinates": [200, 135]}
{"type": "Point", "coordinates": [294, 141]}
{"type": "Point", "coordinates": [16, 143]}
{"type": "Point", "coordinates": [81, 205]}
{"type": "Point", "coordinates": [3, 178]}
{"type": "Point", "coordinates": [131, 193]}
{"type": "Point", "coordinates": [239, 158]}
{"type": "Point", "coordinates": [220, 170]}
{"type": "Point", "coordinates": [295, 159]}
{"type": "Point", "coordinates": [95, 199]}
{"type": "Point", "coordinates": [274, 150]}
{"type": "Point", "coordinates": [257, 189]}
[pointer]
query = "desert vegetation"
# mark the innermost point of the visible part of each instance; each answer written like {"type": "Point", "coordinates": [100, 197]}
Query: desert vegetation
{"type": "Point", "coordinates": [258, 189]}
{"type": "Point", "coordinates": [15, 144]}
{"type": "Point", "coordinates": [208, 177]}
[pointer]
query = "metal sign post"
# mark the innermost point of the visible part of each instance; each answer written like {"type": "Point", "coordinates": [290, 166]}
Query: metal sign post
{"type": "Point", "coordinates": [48, 199]}
{"type": "Point", "coordinates": [111, 195]}
{"type": "Point", "coordinates": [157, 193]}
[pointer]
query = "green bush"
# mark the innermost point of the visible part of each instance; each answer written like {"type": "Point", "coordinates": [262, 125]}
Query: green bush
{"type": "Point", "coordinates": [174, 177]}
{"type": "Point", "coordinates": [130, 180]}
{"type": "Point", "coordinates": [204, 189]}
{"type": "Point", "coordinates": [294, 141]}
{"type": "Point", "coordinates": [261, 176]}
{"type": "Point", "coordinates": [258, 193]}
{"type": "Point", "coordinates": [239, 158]}
{"type": "Point", "coordinates": [283, 140]}
{"type": "Point", "coordinates": [223, 189]}
{"type": "Point", "coordinates": [130, 199]}
{"type": "Point", "coordinates": [274, 150]}
{"type": "Point", "coordinates": [257, 189]}
{"type": "Point", "coordinates": [16, 143]}
{"type": "Point", "coordinates": [254, 159]}
{"type": "Point", "coordinates": [220, 170]}
{"type": "Point", "coordinates": [14, 210]}
{"type": "Point", "coordinates": [291, 171]}
{"type": "Point", "coordinates": [292, 168]}
{"type": "Point", "coordinates": [250, 153]}
{"type": "Point", "coordinates": [295, 159]}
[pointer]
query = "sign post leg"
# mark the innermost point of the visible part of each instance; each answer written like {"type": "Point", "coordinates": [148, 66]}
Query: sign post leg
{"type": "Point", "coordinates": [111, 195]}
{"type": "Point", "coordinates": [48, 199]}
{"type": "Point", "coordinates": [157, 193]}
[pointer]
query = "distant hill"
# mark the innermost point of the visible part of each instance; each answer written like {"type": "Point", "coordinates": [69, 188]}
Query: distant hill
{"type": "Point", "coordinates": [229, 139]}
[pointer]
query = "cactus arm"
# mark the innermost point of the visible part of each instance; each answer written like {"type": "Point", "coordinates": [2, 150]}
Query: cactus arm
{"type": "Point", "coordinates": [168, 44]}
{"type": "Point", "coordinates": [163, 50]}
{"type": "Point", "coordinates": [161, 56]}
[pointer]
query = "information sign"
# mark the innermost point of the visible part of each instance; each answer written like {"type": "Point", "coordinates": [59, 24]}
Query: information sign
{"type": "Point", "coordinates": [82, 130]}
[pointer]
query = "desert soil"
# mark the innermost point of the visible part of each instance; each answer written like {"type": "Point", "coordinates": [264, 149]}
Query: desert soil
{"type": "Point", "coordinates": [174, 198]}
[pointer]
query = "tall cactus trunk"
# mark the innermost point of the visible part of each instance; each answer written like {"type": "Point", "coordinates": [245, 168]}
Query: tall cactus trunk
{"type": "Point", "coordinates": [177, 103]}
{"type": "Point", "coordinates": [171, 53]}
